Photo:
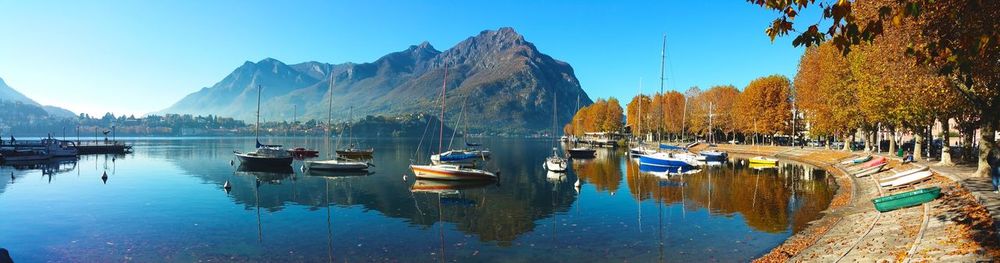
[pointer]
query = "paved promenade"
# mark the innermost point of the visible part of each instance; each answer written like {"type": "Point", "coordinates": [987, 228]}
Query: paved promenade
{"type": "Point", "coordinates": [952, 228]}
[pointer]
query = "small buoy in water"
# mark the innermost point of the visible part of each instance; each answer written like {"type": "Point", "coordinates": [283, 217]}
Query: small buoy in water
{"type": "Point", "coordinates": [227, 186]}
{"type": "Point", "coordinates": [112, 159]}
{"type": "Point", "coordinates": [105, 177]}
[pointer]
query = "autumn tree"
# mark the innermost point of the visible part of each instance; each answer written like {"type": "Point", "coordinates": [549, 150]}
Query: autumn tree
{"type": "Point", "coordinates": [958, 39]}
{"type": "Point", "coordinates": [764, 106]}
{"type": "Point", "coordinates": [638, 113]}
{"type": "Point", "coordinates": [601, 116]}
{"type": "Point", "coordinates": [714, 108]}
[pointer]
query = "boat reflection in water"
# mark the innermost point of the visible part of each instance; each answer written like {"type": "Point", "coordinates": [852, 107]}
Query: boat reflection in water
{"type": "Point", "coordinates": [266, 174]}
{"type": "Point", "coordinates": [446, 187]}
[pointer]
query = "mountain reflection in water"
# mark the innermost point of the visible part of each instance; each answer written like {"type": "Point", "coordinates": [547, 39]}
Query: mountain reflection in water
{"type": "Point", "coordinates": [167, 201]}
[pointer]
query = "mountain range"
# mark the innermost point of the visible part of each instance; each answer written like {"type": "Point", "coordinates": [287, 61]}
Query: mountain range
{"type": "Point", "coordinates": [10, 94]}
{"type": "Point", "coordinates": [496, 81]}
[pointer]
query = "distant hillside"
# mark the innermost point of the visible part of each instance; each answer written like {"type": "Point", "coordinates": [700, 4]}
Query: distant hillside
{"type": "Point", "coordinates": [11, 95]}
{"type": "Point", "coordinates": [502, 80]}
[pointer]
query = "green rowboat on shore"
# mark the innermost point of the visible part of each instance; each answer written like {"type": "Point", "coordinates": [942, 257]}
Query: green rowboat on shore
{"type": "Point", "coordinates": [906, 199]}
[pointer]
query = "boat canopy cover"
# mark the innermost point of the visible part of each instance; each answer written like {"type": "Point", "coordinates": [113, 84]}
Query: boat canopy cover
{"type": "Point", "coordinates": [259, 145]}
{"type": "Point", "coordinates": [671, 147]}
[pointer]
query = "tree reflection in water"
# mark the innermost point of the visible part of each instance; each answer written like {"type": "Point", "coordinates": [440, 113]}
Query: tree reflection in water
{"type": "Point", "coordinates": [770, 200]}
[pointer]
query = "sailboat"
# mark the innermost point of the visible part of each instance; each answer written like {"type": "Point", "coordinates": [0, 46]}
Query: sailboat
{"type": "Point", "coordinates": [555, 163]}
{"type": "Point", "coordinates": [265, 155]}
{"type": "Point", "coordinates": [340, 163]}
{"type": "Point", "coordinates": [352, 151]}
{"type": "Point", "coordinates": [666, 161]}
{"type": "Point", "coordinates": [466, 157]}
{"type": "Point", "coordinates": [579, 152]}
{"type": "Point", "coordinates": [448, 171]}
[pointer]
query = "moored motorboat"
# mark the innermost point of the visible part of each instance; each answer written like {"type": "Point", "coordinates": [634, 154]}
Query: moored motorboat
{"type": "Point", "coordinates": [714, 155]}
{"type": "Point", "coordinates": [60, 148]}
{"type": "Point", "coordinates": [23, 155]}
{"type": "Point", "coordinates": [763, 160]}
{"type": "Point", "coordinates": [450, 172]}
{"type": "Point", "coordinates": [338, 164]}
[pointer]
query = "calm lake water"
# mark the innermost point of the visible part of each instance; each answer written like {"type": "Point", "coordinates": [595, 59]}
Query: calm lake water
{"type": "Point", "coordinates": [166, 202]}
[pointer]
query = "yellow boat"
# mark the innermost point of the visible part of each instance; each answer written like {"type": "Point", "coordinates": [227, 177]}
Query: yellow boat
{"type": "Point", "coordinates": [763, 160]}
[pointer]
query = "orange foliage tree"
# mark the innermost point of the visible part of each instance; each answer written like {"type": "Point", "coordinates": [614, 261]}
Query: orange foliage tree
{"type": "Point", "coordinates": [717, 102]}
{"type": "Point", "coordinates": [764, 107]}
{"type": "Point", "coordinates": [602, 116]}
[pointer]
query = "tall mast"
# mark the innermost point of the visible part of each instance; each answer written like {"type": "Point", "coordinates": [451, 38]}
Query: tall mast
{"type": "Point", "coordinates": [350, 125]}
{"type": "Point", "coordinates": [256, 129]}
{"type": "Point", "coordinates": [441, 133]}
{"type": "Point", "coordinates": [663, 59]}
{"type": "Point", "coordinates": [638, 122]}
{"type": "Point", "coordinates": [710, 131]}
{"type": "Point", "coordinates": [555, 113]}
{"type": "Point", "coordinates": [329, 115]}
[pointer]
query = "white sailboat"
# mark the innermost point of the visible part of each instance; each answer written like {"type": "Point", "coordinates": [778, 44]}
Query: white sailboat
{"type": "Point", "coordinates": [339, 163]}
{"type": "Point", "coordinates": [448, 171]}
{"type": "Point", "coordinates": [555, 163]}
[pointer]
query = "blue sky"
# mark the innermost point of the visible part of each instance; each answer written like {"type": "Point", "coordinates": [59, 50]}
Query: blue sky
{"type": "Point", "coordinates": [134, 57]}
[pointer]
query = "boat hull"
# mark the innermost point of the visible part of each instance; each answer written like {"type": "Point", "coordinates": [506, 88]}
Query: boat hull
{"type": "Point", "coordinates": [763, 160]}
{"type": "Point", "coordinates": [714, 156]}
{"type": "Point", "coordinates": [555, 164]}
{"type": "Point", "coordinates": [336, 166]}
{"type": "Point", "coordinates": [259, 161]}
{"type": "Point", "coordinates": [906, 199]}
{"type": "Point", "coordinates": [659, 163]}
{"type": "Point", "coordinates": [434, 172]}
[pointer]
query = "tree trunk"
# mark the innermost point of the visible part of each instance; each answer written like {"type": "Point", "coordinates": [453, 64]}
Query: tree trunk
{"type": "Point", "coordinates": [986, 141]}
{"type": "Point", "coordinates": [968, 154]}
{"type": "Point", "coordinates": [847, 143]}
{"type": "Point", "coordinates": [918, 142]}
{"type": "Point", "coordinates": [892, 141]}
{"type": "Point", "coordinates": [945, 145]}
{"type": "Point", "coordinates": [868, 141]}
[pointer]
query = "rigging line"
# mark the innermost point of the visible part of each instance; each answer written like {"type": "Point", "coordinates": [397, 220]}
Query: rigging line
{"type": "Point", "coordinates": [426, 127]}
{"type": "Point", "coordinates": [461, 117]}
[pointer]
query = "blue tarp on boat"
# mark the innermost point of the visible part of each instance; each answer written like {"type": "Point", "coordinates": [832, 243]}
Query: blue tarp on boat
{"type": "Point", "coordinates": [671, 147]}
